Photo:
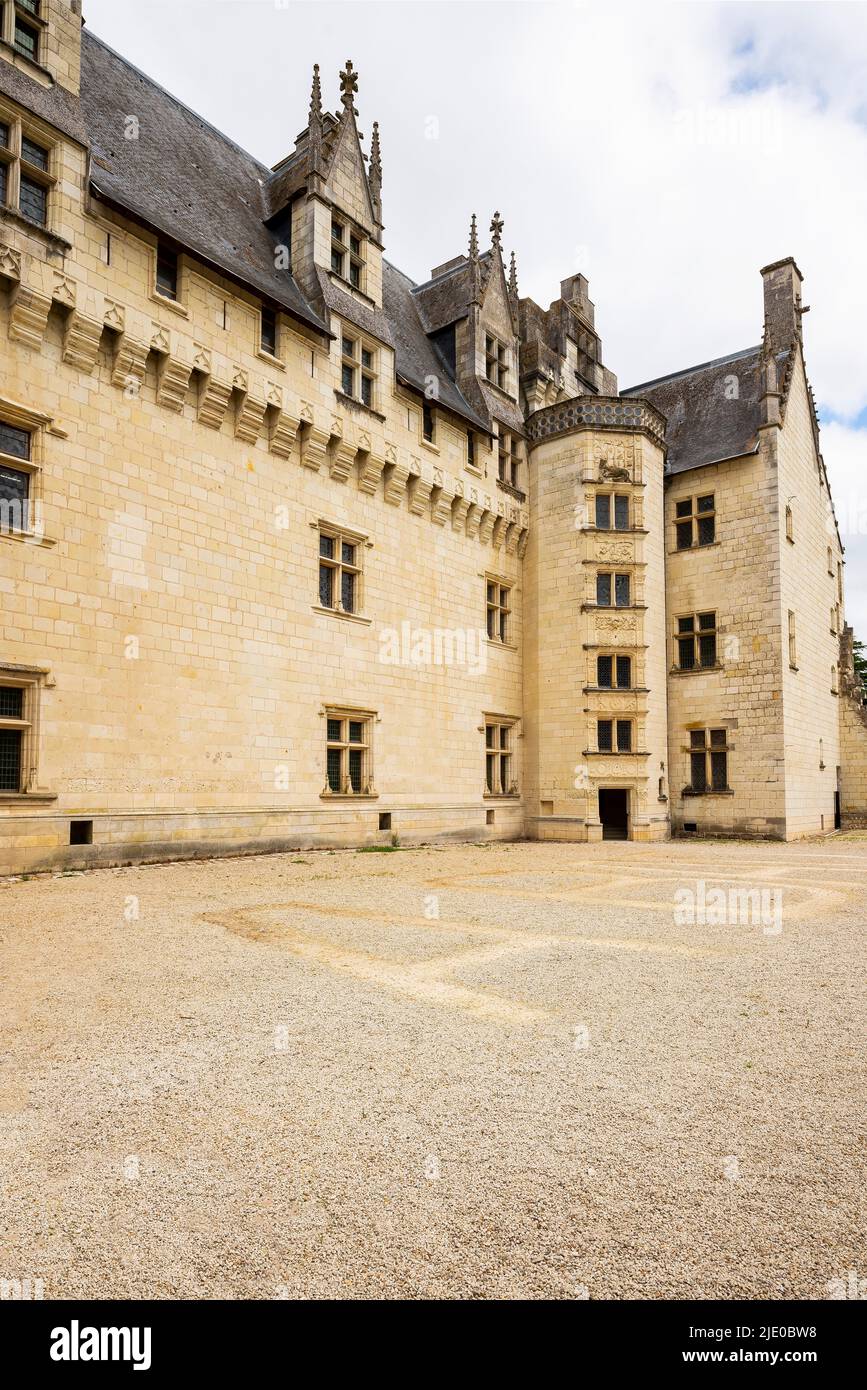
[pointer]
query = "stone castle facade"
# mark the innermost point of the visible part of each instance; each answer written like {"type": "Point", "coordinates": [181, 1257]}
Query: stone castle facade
{"type": "Point", "coordinates": [295, 551]}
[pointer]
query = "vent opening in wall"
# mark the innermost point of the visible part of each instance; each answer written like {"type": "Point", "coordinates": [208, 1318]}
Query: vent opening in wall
{"type": "Point", "coordinates": [81, 832]}
{"type": "Point", "coordinates": [385, 820]}
{"type": "Point", "coordinates": [489, 818]}
{"type": "Point", "coordinates": [690, 827]}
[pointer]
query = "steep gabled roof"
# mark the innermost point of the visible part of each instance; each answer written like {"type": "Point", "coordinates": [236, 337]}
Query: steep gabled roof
{"type": "Point", "coordinates": [180, 176]}
{"type": "Point", "coordinates": [417, 360]}
{"type": "Point", "coordinates": [706, 421]}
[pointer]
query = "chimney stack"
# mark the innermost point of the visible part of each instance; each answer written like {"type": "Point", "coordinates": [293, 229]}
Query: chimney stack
{"type": "Point", "coordinates": [782, 286]}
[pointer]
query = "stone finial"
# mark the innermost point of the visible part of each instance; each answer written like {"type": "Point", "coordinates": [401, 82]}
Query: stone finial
{"type": "Point", "coordinates": [374, 177]}
{"type": "Point", "coordinates": [348, 83]}
{"type": "Point", "coordinates": [497, 225]}
{"type": "Point", "coordinates": [315, 123]}
{"type": "Point", "coordinates": [474, 239]}
{"type": "Point", "coordinates": [513, 277]}
{"type": "Point", "coordinates": [316, 96]}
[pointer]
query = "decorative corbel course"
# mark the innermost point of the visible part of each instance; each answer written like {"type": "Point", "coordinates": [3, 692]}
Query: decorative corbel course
{"type": "Point", "coordinates": [130, 360]}
{"type": "Point", "coordinates": [473, 519]}
{"type": "Point", "coordinates": [396, 475]}
{"type": "Point", "coordinates": [249, 416]}
{"type": "Point", "coordinates": [420, 489]}
{"type": "Point", "coordinates": [523, 537]}
{"type": "Point", "coordinates": [29, 316]}
{"type": "Point", "coordinates": [214, 397]}
{"type": "Point", "coordinates": [486, 527]}
{"type": "Point", "coordinates": [81, 341]}
{"type": "Point", "coordinates": [498, 535]}
{"type": "Point", "coordinates": [64, 290]}
{"type": "Point", "coordinates": [173, 382]}
{"type": "Point", "coordinates": [513, 535]}
{"type": "Point", "coordinates": [341, 458]}
{"type": "Point", "coordinates": [10, 262]}
{"type": "Point", "coordinates": [284, 430]}
{"type": "Point", "coordinates": [369, 472]}
{"type": "Point", "coordinates": [441, 498]}
{"type": "Point", "coordinates": [314, 446]}
{"type": "Point", "coordinates": [460, 507]}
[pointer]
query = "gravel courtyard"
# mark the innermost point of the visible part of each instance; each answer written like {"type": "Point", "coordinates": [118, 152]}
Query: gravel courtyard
{"type": "Point", "coordinates": [461, 1072]}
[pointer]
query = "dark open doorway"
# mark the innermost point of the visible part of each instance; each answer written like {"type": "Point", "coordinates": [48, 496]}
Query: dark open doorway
{"type": "Point", "coordinates": [614, 813]}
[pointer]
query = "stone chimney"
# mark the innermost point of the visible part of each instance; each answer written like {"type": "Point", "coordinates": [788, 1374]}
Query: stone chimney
{"type": "Point", "coordinates": [782, 286]}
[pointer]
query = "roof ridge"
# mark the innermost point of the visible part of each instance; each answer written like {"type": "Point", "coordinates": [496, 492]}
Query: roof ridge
{"type": "Point", "coordinates": [88, 34]}
{"type": "Point", "coordinates": [688, 371]}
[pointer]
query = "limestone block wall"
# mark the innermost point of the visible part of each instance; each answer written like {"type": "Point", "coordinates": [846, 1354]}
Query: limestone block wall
{"type": "Point", "coordinates": [566, 632]}
{"type": "Point", "coordinates": [169, 604]}
{"type": "Point", "coordinates": [811, 589]}
{"type": "Point", "coordinates": [737, 578]}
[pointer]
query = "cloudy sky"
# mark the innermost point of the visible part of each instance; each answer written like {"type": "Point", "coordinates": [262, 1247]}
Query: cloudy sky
{"type": "Point", "coordinates": [666, 150]}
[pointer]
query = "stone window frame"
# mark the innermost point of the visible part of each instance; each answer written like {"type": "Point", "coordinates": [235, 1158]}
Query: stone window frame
{"type": "Point", "coordinates": [614, 573]}
{"type": "Point", "coordinates": [32, 680]}
{"type": "Point", "coordinates": [343, 252]}
{"type": "Point", "coordinates": [344, 745]}
{"type": "Point", "coordinates": [501, 756]}
{"type": "Point", "coordinates": [362, 371]}
{"type": "Point", "coordinates": [790, 524]}
{"type": "Point", "coordinates": [33, 424]}
{"type": "Point", "coordinates": [341, 535]}
{"type": "Point", "coordinates": [273, 355]}
{"type": "Point", "coordinates": [613, 496]}
{"type": "Point", "coordinates": [510, 458]}
{"type": "Point", "coordinates": [835, 679]}
{"type": "Point", "coordinates": [693, 518]}
{"type": "Point", "coordinates": [614, 655]}
{"type": "Point", "coordinates": [696, 632]}
{"type": "Point", "coordinates": [14, 15]}
{"type": "Point", "coordinates": [22, 128]}
{"type": "Point", "coordinates": [496, 362]}
{"type": "Point", "coordinates": [178, 301]}
{"type": "Point", "coordinates": [498, 610]}
{"type": "Point", "coordinates": [714, 743]}
{"type": "Point", "coordinates": [616, 722]}
{"type": "Point", "coordinates": [793, 640]}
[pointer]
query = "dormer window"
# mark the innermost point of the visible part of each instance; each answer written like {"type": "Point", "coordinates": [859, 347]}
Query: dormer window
{"type": "Point", "coordinates": [496, 362]}
{"type": "Point", "coordinates": [357, 370]}
{"type": "Point", "coordinates": [25, 36]}
{"type": "Point", "coordinates": [347, 253]}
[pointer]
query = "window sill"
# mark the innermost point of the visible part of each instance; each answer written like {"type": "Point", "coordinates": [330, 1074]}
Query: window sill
{"type": "Point", "coordinates": [504, 646]}
{"type": "Point", "coordinates": [616, 530]}
{"type": "Point", "coordinates": [613, 607]}
{"type": "Point", "coordinates": [57, 243]}
{"type": "Point", "coordinates": [694, 670]}
{"type": "Point", "coordinates": [614, 753]}
{"type": "Point", "coordinates": [501, 796]}
{"type": "Point", "coordinates": [173, 304]}
{"type": "Point", "coordinates": [28, 538]}
{"type": "Point", "coordinates": [430, 446]}
{"type": "Point", "coordinates": [339, 613]}
{"type": "Point", "coordinates": [358, 405]}
{"type": "Point", "coordinates": [349, 796]}
{"type": "Point", "coordinates": [511, 490]}
{"type": "Point", "coordinates": [344, 284]}
{"type": "Point", "coordinates": [688, 791]}
{"type": "Point", "coordinates": [29, 65]}
{"type": "Point", "coordinates": [689, 549]}
{"type": "Point", "coordinates": [793, 667]}
{"type": "Point", "coordinates": [271, 359]}
{"type": "Point", "coordinates": [615, 690]}
{"type": "Point", "coordinates": [25, 798]}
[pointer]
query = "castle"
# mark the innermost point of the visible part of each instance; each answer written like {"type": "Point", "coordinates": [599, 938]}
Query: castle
{"type": "Point", "coordinates": [295, 551]}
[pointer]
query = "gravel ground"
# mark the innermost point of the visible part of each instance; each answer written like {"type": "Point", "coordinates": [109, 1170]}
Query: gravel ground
{"type": "Point", "coordinates": [464, 1072]}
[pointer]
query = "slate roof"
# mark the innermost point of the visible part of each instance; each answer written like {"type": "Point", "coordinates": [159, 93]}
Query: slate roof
{"type": "Point", "coordinates": [416, 356]}
{"type": "Point", "coordinates": [704, 423]}
{"type": "Point", "coordinates": [181, 176]}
